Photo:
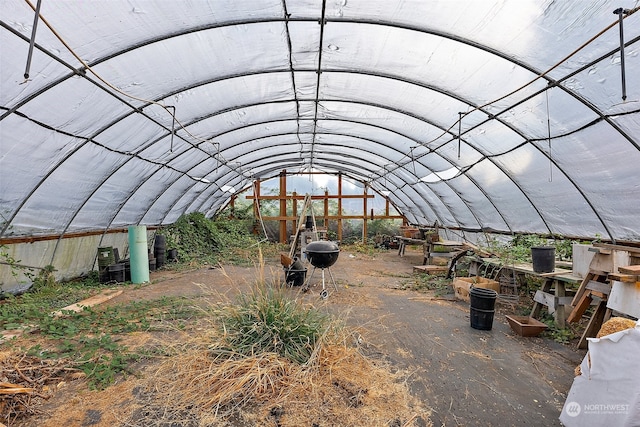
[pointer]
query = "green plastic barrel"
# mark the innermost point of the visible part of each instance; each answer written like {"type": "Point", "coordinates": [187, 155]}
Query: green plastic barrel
{"type": "Point", "coordinates": [139, 254]}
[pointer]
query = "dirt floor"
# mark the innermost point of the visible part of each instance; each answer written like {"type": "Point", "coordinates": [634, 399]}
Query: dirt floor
{"type": "Point", "coordinates": [466, 376]}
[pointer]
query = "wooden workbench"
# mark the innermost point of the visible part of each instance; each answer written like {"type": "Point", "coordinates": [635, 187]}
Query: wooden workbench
{"type": "Point", "coordinates": [428, 247]}
{"type": "Point", "coordinates": [404, 241]}
{"type": "Point", "coordinates": [552, 294]}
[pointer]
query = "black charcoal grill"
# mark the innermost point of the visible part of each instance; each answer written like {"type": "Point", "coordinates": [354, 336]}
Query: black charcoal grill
{"type": "Point", "coordinates": [322, 254]}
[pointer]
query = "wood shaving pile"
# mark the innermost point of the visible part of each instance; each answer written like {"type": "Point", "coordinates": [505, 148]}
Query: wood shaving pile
{"type": "Point", "coordinates": [611, 326]}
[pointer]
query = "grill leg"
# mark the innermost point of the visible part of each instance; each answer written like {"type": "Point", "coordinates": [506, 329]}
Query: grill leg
{"type": "Point", "coordinates": [305, 287]}
{"type": "Point", "coordinates": [332, 279]}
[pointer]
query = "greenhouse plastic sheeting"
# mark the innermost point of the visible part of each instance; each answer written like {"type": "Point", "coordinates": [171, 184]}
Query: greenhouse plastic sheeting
{"type": "Point", "coordinates": [506, 116]}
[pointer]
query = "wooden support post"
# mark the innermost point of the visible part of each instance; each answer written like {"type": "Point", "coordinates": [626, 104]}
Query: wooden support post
{"type": "Point", "coordinates": [283, 206]}
{"type": "Point", "coordinates": [256, 202]}
{"type": "Point", "coordinates": [364, 215]}
{"type": "Point", "coordinates": [326, 210]}
{"type": "Point", "coordinates": [339, 207]}
{"type": "Point", "coordinates": [560, 314]}
{"type": "Point", "coordinates": [294, 212]}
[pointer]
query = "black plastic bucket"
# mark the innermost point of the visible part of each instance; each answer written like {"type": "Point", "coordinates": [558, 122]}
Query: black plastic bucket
{"type": "Point", "coordinates": [483, 303]}
{"type": "Point", "coordinates": [544, 258]}
{"type": "Point", "coordinates": [483, 299]}
{"type": "Point", "coordinates": [481, 319]}
{"type": "Point", "coordinates": [116, 272]}
{"type": "Point", "coordinates": [127, 268]}
{"type": "Point", "coordinates": [105, 259]}
{"type": "Point", "coordinates": [295, 277]}
{"type": "Point", "coordinates": [160, 250]}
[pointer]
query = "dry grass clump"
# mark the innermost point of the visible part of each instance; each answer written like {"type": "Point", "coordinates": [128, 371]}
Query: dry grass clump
{"type": "Point", "coordinates": [226, 380]}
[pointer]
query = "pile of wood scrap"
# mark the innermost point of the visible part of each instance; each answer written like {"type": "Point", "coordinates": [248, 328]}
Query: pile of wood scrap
{"type": "Point", "coordinates": [25, 381]}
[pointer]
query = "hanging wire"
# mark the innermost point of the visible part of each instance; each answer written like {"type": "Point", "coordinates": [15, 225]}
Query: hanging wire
{"type": "Point", "coordinates": [104, 81]}
{"type": "Point", "coordinates": [413, 160]}
{"type": "Point", "coordinates": [173, 124]}
{"type": "Point", "coordinates": [549, 138]}
{"type": "Point", "coordinates": [460, 115]}
{"type": "Point", "coordinates": [539, 76]}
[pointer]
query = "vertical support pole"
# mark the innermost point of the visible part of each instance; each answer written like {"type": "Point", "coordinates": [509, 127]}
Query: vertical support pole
{"type": "Point", "coordinates": [620, 12]}
{"type": "Point", "coordinates": [32, 41]}
{"type": "Point", "coordinates": [232, 206]}
{"type": "Point", "coordinates": [256, 201]}
{"type": "Point", "coordinates": [340, 206]}
{"type": "Point", "coordinates": [386, 207]}
{"type": "Point", "coordinates": [326, 210]}
{"type": "Point", "coordinates": [283, 206]}
{"type": "Point", "coordinates": [294, 211]}
{"type": "Point", "coordinates": [364, 214]}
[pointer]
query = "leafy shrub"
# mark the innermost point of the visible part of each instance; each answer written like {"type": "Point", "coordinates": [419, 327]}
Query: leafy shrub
{"type": "Point", "coordinates": [201, 239]}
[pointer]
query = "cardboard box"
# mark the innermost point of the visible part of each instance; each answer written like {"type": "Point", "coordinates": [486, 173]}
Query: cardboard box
{"type": "Point", "coordinates": [462, 285]}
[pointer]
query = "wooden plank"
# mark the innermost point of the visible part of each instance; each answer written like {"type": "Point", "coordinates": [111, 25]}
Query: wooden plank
{"type": "Point", "coordinates": [103, 296]}
{"type": "Point", "coordinates": [544, 298]}
{"type": "Point", "coordinates": [594, 325]}
{"type": "Point", "coordinates": [442, 254]}
{"type": "Point", "coordinates": [580, 307]}
{"type": "Point", "coordinates": [430, 269]}
{"type": "Point", "coordinates": [626, 278]}
{"type": "Point", "coordinates": [564, 301]}
{"type": "Point", "coordinates": [600, 251]}
{"type": "Point", "coordinates": [582, 288]}
{"type": "Point", "coordinates": [630, 269]}
{"type": "Point", "coordinates": [603, 288]}
{"type": "Point", "coordinates": [553, 273]}
{"type": "Point", "coordinates": [618, 247]}
{"type": "Point", "coordinates": [546, 287]}
{"type": "Point", "coordinates": [477, 250]}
